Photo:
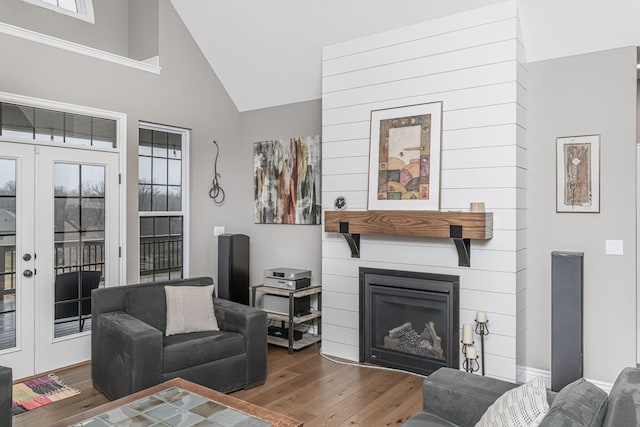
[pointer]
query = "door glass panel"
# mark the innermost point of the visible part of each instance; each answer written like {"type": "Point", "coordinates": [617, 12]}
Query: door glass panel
{"type": "Point", "coordinates": [79, 219]}
{"type": "Point", "coordinates": [104, 133]}
{"type": "Point", "coordinates": [7, 253]}
{"type": "Point", "coordinates": [66, 180]}
{"type": "Point", "coordinates": [17, 121]}
{"type": "Point", "coordinates": [49, 125]}
{"type": "Point", "coordinates": [78, 129]}
{"type": "Point", "coordinates": [92, 181]}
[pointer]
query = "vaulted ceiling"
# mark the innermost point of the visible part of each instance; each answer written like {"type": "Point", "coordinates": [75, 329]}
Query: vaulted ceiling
{"type": "Point", "coordinates": [268, 52]}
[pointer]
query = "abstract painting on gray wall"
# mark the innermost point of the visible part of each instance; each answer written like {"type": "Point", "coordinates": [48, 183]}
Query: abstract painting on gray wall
{"type": "Point", "coordinates": [286, 178]}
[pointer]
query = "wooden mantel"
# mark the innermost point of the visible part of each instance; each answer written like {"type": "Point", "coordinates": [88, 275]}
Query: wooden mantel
{"type": "Point", "coordinates": [459, 226]}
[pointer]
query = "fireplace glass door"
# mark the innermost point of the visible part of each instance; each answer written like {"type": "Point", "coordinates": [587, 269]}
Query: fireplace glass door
{"type": "Point", "coordinates": [409, 323]}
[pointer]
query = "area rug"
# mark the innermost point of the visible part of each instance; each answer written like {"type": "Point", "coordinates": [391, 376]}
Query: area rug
{"type": "Point", "coordinates": [38, 392]}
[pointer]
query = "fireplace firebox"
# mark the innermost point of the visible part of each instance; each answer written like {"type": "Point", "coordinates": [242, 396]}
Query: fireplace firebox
{"type": "Point", "coordinates": [409, 320]}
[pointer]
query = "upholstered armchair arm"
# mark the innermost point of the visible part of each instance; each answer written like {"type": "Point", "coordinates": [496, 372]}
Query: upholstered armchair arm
{"type": "Point", "coordinates": [127, 354]}
{"type": "Point", "coordinates": [459, 397]}
{"type": "Point", "coordinates": [6, 391]}
{"type": "Point", "coordinates": [251, 323]}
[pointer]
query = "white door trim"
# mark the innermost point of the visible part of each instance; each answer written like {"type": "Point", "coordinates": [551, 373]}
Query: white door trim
{"type": "Point", "coordinates": [121, 129]}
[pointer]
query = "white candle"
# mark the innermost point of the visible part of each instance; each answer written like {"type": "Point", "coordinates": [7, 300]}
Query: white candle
{"type": "Point", "coordinates": [467, 334]}
{"type": "Point", "coordinates": [481, 317]}
{"type": "Point", "coordinates": [472, 353]}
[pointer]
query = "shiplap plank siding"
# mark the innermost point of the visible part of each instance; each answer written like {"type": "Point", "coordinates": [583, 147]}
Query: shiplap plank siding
{"type": "Point", "coordinates": [343, 150]}
{"type": "Point", "coordinates": [454, 100]}
{"type": "Point", "coordinates": [486, 75]}
{"type": "Point", "coordinates": [521, 282]}
{"type": "Point", "coordinates": [473, 63]}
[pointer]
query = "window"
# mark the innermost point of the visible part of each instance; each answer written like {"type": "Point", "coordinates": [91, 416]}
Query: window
{"type": "Point", "coordinates": [81, 9]}
{"type": "Point", "coordinates": [162, 194]}
{"type": "Point", "coordinates": [20, 121]}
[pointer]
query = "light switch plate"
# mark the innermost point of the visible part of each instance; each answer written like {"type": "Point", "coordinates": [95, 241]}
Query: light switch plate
{"type": "Point", "coordinates": [218, 230]}
{"type": "Point", "coordinates": [614, 247]}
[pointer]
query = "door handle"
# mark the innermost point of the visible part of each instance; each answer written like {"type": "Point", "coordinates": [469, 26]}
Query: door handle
{"type": "Point", "coordinates": [27, 273]}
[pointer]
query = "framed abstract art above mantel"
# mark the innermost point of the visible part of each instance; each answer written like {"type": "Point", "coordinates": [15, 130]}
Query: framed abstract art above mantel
{"type": "Point", "coordinates": [404, 158]}
{"type": "Point", "coordinates": [578, 174]}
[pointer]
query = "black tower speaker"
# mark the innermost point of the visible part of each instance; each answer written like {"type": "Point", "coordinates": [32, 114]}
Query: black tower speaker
{"type": "Point", "coordinates": [566, 318]}
{"type": "Point", "coordinates": [233, 267]}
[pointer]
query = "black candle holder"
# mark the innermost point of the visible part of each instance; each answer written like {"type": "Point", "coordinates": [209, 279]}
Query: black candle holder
{"type": "Point", "coordinates": [482, 329]}
{"type": "Point", "coordinates": [464, 347]}
{"type": "Point", "coordinates": [470, 365]}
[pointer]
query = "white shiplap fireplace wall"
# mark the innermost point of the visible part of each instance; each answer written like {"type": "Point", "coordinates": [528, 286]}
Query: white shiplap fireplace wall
{"type": "Point", "coordinates": [473, 63]}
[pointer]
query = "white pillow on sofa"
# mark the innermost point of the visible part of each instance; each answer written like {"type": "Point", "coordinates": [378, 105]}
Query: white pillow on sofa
{"type": "Point", "coordinates": [190, 309]}
{"type": "Point", "coordinates": [524, 406]}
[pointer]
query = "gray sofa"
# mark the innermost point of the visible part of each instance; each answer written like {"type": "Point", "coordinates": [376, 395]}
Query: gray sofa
{"type": "Point", "coordinates": [455, 398]}
{"type": "Point", "coordinates": [130, 352]}
{"type": "Point", "coordinates": [6, 396]}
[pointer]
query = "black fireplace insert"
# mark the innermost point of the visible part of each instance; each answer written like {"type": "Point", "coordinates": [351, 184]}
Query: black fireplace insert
{"type": "Point", "coordinates": [409, 320]}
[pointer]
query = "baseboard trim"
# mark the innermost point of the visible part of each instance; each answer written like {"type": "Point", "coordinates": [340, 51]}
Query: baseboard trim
{"type": "Point", "coordinates": [526, 373]}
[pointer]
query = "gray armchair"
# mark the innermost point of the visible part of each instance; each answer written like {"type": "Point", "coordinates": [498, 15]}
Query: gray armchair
{"type": "Point", "coordinates": [6, 396]}
{"type": "Point", "coordinates": [130, 351]}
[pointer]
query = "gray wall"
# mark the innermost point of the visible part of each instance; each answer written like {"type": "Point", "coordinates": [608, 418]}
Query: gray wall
{"type": "Point", "coordinates": [275, 245]}
{"type": "Point", "coordinates": [186, 94]}
{"type": "Point", "coordinates": [109, 33]}
{"type": "Point", "coordinates": [580, 95]}
{"type": "Point", "coordinates": [143, 29]}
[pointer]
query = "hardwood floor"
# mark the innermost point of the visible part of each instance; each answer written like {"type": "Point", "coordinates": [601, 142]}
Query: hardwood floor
{"type": "Point", "coordinates": [303, 385]}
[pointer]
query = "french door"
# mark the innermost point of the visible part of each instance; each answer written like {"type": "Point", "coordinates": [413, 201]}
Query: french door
{"type": "Point", "coordinates": [59, 237]}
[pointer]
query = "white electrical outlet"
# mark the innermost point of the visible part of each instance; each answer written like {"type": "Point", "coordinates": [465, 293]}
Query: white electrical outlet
{"type": "Point", "coordinates": [218, 230]}
{"type": "Point", "coordinates": [614, 247]}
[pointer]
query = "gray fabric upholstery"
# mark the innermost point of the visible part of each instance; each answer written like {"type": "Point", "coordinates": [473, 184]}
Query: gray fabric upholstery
{"type": "Point", "coordinates": [148, 305]}
{"type": "Point", "coordinates": [129, 354]}
{"type": "Point", "coordinates": [6, 396]}
{"type": "Point", "coordinates": [455, 398]}
{"type": "Point", "coordinates": [624, 400]}
{"type": "Point", "coordinates": [577, 404]}
{"type": "Point", "coordinates": [459, 397]}
{"type": "Point", "coordinates": [251, 323]}
{"type": "Point", "coordinates": [186, 350]}
{"type": "Point", "coordinates": [425, 419]}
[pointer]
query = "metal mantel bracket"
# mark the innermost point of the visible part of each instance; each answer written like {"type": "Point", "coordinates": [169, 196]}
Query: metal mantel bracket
{"type": "Point", "coordinates": [463, 246]}
{"type": "Point", "coordinates": [352, 239]}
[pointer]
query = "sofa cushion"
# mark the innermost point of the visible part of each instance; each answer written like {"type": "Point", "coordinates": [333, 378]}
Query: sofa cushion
{"type": "Point", "coordinates": [577, 404]}
{"type": "Point", "coordinates": [187, 350]}
{"type": "Point", "coordinates": [425, 419]}
{"type": "Point", "coordinates": [190, 309]}
{"type": "Point", "coordinates": [524, 406]}
{"type": "Point", "coordinates": [147, 303]}
{"type": "Point", "coordinates": [624, 400]}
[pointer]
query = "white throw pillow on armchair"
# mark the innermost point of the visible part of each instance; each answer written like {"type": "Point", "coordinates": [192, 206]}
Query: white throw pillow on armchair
{"type": "Point", "coordinates": [190, 309]}
{"type": "Point", "coordinates": [524, 406]}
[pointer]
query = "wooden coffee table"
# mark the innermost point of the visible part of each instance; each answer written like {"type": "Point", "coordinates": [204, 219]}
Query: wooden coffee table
{"type": "Point", "coordinates": [179, 402]}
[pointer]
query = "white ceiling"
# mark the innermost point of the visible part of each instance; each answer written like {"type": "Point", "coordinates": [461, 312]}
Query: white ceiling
{"type": "Point", "coordinates": [268, 52]}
